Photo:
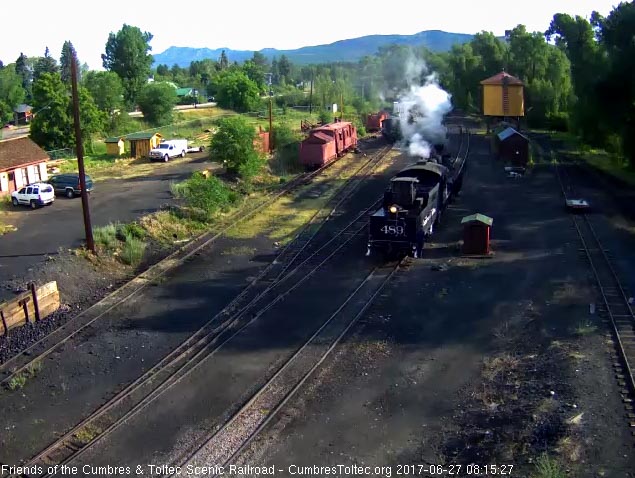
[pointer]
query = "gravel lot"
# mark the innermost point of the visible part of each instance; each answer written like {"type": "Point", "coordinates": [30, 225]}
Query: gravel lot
{"type": "Point", "coordinates": [457, 362]}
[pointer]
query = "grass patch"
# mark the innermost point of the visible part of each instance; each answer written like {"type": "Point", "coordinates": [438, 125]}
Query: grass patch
{"type": "Point", "coordinates": [87, 434]}
{"type": "Point", "coordinates": [548, 468]}
{"type": "Point", "coordinates": [282, 220]}
{"type": "Point", "coordinates": [132, 251]}
{"type": "Point", "coordinates": [239, 251]}
{"type": "Point", "coordinates": [499, 366]}
{"type": "Point", "coordinates": [613, 164]}
{"type": "Point", "coordinates": [125, 241]}
{"type": "Point", "coordinates": [166, 227]}
{"type": "Point", "coordinates": [5, 228]}
{"type": "Point", "coordinates": [585, 328]}
{"type": "Point", "coordinates": [5, 206]}
{"type": "Point", "coordinates": [108, 167]}
{"type": "Point", "coordinates": [106, 237]}
{"type": "Point", "coordinates": [19, 379]}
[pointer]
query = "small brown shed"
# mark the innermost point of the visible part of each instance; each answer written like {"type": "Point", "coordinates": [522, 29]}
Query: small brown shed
{"type": "Point", "coordinates": [142, 143]}
{"type": "Point", "coordinates": [261, 141]}
{"type": "Point", "coordinates": [476, 234]}
{"type": "Point", "coordinates": [512, 147]}
{"type": "Point", "coordinates": [115, 146]}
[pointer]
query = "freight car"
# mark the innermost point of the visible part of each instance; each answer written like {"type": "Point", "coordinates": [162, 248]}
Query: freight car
{"type": "Point", "coordinates": [327, 142]}
{"type": "Point", "coordinates": [413, 204]}
{"type": "Point", "coordinates": [374, 121]}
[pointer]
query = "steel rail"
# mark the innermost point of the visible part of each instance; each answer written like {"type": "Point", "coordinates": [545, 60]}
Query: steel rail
{"type": "Point", "coordinates": [233, 220]}
{"type": "Point", "coordinates": [207, 337]}
{"type": "Point", "coordinates": [250, 408]}
{"type": "Point", "coordinates": [605, 262]}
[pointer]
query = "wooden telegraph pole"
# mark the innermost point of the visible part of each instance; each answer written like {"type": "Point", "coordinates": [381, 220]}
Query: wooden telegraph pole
{"type": "Point", "coordinates": [311, 94]}
{"type": "Point", "coordinates": [270, 125]}
{"type": "Point", "coordinates": [90, 243]}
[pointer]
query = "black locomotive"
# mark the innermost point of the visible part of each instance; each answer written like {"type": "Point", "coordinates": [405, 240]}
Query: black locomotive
{"type": "Point", "coordinates": [391, 129]}
{"type": "Point", "coordinates": [413, 204]}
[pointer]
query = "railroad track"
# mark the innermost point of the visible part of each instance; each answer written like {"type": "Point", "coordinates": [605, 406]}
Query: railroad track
{"type": "Point", "coordinates": [45, 346]}
{"type": "Point", "coordinates": [239, 431]}
{"type": "Point", "coordinates": [266, 290]}
{"type": "Point", "coordinates": [615, 302]}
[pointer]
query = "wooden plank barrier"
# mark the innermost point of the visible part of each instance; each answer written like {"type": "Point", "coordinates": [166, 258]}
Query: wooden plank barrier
{"type": "Point", "coordinates": [21, 309]}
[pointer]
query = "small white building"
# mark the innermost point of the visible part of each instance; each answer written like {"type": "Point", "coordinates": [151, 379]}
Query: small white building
{"type": "Point", "coordinates": [22, 162]}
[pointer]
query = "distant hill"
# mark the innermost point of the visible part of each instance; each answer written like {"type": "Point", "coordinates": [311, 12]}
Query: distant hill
{"type": "Point", "coordinates": [343, 50]}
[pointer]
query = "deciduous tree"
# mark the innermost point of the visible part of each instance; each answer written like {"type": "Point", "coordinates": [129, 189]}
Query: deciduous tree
{"type": "Point", "coordinates": [11, 93]}
{"type": "Point", "coordinates": [127, 55]}
{"type": "Point", "coordinates": [156, 101]}
{"type": "Point", "coordinates": [106, 89]}
{"type": "Point", "coordinates": [234, 90]}
{"type": "Point", "coordinates": [233, 144]}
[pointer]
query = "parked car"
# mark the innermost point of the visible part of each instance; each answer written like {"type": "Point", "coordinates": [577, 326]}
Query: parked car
{"type": "Point", "coordinates": [68, 184]}
{"type": "Point", "coordinates": [34, 195]}
{"type": "Point", "coordinates": [195, 149]}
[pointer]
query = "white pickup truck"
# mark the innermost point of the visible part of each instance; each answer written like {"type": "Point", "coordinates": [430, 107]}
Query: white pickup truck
{"type": "Point", "coordinates": [169, 149]}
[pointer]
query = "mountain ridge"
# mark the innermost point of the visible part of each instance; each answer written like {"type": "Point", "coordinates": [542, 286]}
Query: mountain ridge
{"type": "Point", "coordinates": [351, 49]}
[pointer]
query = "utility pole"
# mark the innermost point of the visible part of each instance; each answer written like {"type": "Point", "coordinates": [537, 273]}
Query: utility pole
{"type": "Point", "coordinates": [90, 243]}
{"type": "Point", "coordinates": [342, 103]}
{"type": "Point", "coordinates": [270, 125]}
{"type": "Point", "coordinates": [311, 94]}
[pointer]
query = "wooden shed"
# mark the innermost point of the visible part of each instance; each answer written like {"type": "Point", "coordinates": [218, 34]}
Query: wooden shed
{"type": "Point", "coordinates": [476, 229]}
{"type": "Point", "coordinates": [115, 146]}
{"type": "Point", "coordinates": [142, 143]}
{"type": "Point", "coordinates": [503, 97]}
{"type": "Point", "coordinates": [512, 147]}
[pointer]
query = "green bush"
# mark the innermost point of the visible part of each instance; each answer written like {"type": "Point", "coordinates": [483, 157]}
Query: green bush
{"type": "Point", "coordinates": [361, 128]}
{"type": "Point", "coordinates": [132, 229]}
{"type": "Point", "coordinates": [132, 251]}
{"type": "Point", "coordinates": [106, 236]}
{"type": "Point", "coordinates": [209, 194]}
{"type": "Point", "coordinates": [325, 116]}
{"type": "Point", "coordinates": [251, 167]}
{"type": "Point", "coordinates": [558, 121]}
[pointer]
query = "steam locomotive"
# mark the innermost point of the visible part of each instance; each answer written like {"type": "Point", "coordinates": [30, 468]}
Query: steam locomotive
{"type": "Point", "coordinates": [414, 202]}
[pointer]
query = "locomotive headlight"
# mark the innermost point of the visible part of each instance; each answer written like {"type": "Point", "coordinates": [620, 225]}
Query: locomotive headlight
{"type": "Point", "coordinates": [393, 209]}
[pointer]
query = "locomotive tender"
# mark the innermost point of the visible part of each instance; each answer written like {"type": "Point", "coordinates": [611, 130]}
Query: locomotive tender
{"type": "Point", "coordinates": [413, 204]}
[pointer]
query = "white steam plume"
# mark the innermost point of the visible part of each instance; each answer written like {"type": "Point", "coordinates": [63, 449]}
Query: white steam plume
{"type": "Point", "coordinates": [421, 112]}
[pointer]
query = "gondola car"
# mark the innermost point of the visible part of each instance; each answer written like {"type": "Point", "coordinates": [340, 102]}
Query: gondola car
{"type": "Point", "coordinates": [413, 205]}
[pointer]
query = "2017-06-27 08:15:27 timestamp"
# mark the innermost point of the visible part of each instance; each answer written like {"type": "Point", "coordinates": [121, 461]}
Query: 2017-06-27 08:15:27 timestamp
{"type": "Point", "coordinates": [454, 470]}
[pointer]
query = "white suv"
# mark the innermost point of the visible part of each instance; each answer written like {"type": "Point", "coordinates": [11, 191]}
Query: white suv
{"type": "Point", "coordinates": [34, 195]}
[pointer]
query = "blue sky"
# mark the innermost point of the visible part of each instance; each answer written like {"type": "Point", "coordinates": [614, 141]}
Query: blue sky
{"type": "Point", "coordinates": [31, 26]}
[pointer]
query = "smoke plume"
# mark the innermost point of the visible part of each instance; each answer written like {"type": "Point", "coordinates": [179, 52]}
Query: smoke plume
{"type": "Point", "coordinates": [421, 110]}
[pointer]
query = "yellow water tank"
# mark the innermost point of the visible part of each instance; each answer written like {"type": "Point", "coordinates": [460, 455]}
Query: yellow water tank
{"type": "Point", "coordinates": [503, 95]}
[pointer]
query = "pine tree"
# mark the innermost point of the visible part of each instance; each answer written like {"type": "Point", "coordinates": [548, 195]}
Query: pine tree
{"type": "Point", "coordinates": [45, 64]}
{"type": "Point", "coordinates": [65, 62]}
{"type": "Point", "coordinates": [224, 61]}
{"type": "Point", "coordinates": [23, 71]}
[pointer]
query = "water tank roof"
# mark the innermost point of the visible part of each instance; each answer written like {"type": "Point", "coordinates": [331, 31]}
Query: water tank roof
{"type": "Point", "coordinates": [498, 79]}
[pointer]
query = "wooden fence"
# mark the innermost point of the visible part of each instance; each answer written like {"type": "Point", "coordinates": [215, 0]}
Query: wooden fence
{"type": "Point", "coordinates": [30, 306]}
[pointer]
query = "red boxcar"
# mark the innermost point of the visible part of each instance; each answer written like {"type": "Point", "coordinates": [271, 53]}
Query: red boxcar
{"type": "Point", "coordinates": [327, 143]}
{"type": "Point", "coordinates": [373, 121]}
